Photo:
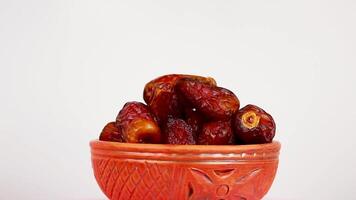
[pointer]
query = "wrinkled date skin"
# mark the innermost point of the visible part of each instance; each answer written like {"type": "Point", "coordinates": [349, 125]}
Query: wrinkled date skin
{"type": "Point", "coordinates": [162, 83]}
{"type": "Point", "coordinates": [160, 95]}
{"type": "Point", "coordinates": [137, 124]}
{"type": "Point", "coordinates": [177, 131]}
{"type": "Point", "coordinates": [216, 133]}
{"type": "Point", "coordinates": [189, 109]}
{"type": "Point", "coordinates": [214, 102]}
{"type": "Point", "coordinates": [194, 119]}
{"type": "Point", "coordinates": [111, 133]}
{"type": "Point", "coordinates": [253, 125]}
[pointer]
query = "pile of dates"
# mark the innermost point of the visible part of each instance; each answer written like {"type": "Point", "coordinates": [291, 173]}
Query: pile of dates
{"type": "Point", "coordinates": [189, 109]}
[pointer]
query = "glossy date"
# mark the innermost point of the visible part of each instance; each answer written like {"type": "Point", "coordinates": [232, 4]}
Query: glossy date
{"type": "Point", "coordinates": [138, 124]}
{"type": "Point", "coordinates": [214, 102]}
{"type": "Point", "coordinates": [253, 125]}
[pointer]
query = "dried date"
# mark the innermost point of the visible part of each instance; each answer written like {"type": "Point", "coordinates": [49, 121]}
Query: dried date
{"type": "Point", "coordinates": [214, 102]}
{"type": "Point", "coordinates": [138, 124]}
{"type": "Point", "coordinates": [177, 131]}
{"type": "Point", "coordinates": [216, 133]}
{"type": "Point", "coordinates": [111, 133]}
{"type": "Point", "coordinates": [160, 95]}
{"type": "Point", "coordinates": [253, 125]}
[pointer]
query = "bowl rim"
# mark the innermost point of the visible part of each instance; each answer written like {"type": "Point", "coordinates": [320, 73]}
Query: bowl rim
{"type": "Point", "coordinates": [171, 148]}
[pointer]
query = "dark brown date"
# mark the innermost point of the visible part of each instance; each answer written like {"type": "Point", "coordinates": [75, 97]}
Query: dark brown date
{"type": "Point", "coordinates": [214, 102]}
{"type": "Point", "coordinates": [194, 119]}
{"type": "Point", "coordinates": [160, 95]}
{"type": "Point", "coordinates": [111, 133]}
{"type": "Point", "coordinates": [216, 133]}
{"type": "Point", "coordinates": [253, 125]}
{"type": "Point", "coordinates": [138, 124]}
{"type": "Point", "coordinates": [177, 131]}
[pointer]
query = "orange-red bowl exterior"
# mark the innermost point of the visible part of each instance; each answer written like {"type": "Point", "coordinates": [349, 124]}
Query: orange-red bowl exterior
{"type": "Point", "coordinates": [178, 172]}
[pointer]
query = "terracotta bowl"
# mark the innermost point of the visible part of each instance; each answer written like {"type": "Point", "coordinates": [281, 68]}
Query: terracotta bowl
{"type": "Point", "coordinates": [161, 171]}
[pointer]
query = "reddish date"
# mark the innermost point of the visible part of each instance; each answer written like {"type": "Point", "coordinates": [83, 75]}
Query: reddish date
{"type": "Point", "coordinates": [214, 102]}
{"type": "Point", "coordinates": [253, 125]}
{"type": "Point", "coordinates": [167, 83]}
{"type": "Point", "coordinates": [111, 133]}
{"type": "Point", "coordinates": [138, 124]}
{"type": "Point", "coordinates": [177, 131]}
{"type": "Point", "coordinates": [189, 109]}
{"type": "Point", "coordinates": [162, 83]}
{"type": "Point", "coordinates": [194, 119]}
{"type": "Point", "coordinates": [216, 133]}
{"type": "Point", "coordinates": [160, 95]}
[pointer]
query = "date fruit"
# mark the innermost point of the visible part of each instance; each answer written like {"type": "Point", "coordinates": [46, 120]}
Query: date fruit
{"type": "Point", "coordinates": [216, 133]}
{"type": "Point", "coordinates": [177, 131]}
{"type": "Point", "coordinates": [167, 82]}
{"type": "Point", "coordinates": [194, 119]}
{"type": "Point", "coordinates": [214, 102]}
{"type": "Point", "coordinates": [162, 83]}
{"type": "Point", "coordinates": [189, 109]}
{"type": "Point", "coordinates": [253, 125]}
{"type": "Point", "coordinates": [160, 95]}
{"type": "Point", "coordinates": [138, 124]}
{"type": "Point", "coordinates": [111, 133]}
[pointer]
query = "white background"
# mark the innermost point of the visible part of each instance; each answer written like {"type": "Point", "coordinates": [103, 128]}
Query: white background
{"type": "Point", "coordinates": [67, 67]}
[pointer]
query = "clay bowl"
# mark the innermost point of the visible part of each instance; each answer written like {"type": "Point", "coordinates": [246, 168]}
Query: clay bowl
{"type": "Point", "coordinates": [161, 171]}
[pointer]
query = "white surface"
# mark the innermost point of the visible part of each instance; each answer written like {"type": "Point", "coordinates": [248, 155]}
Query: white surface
{"type": "Point", "coordinates": [67, 67]}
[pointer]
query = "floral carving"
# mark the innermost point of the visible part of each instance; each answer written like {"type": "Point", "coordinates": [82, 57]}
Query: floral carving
{"type": "Point", "coordinates": [223, 184]}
